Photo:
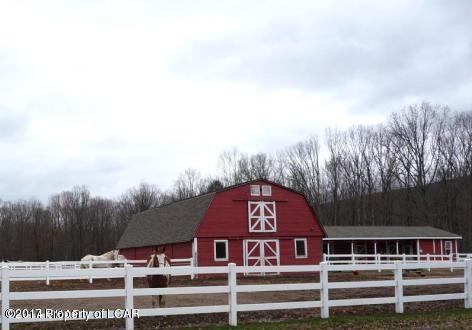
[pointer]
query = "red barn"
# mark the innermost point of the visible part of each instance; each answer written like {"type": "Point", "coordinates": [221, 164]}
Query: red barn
{"type": "Point", "coordinates": [254, 223]}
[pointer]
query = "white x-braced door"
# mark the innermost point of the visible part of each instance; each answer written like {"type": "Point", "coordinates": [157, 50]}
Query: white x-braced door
{"type": "Point", "coordinates": [261, 252]}
{"type": "Point", "coordinates": [262, 217]}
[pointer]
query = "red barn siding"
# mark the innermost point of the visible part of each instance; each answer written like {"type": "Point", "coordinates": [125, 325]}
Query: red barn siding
{"type": "Point", "coordinates": [173, 251]}
{"type": "Point", "coordinates": [228, 214]}
{"type": "Point", "coordinates": [236, 254]}
{"type": "Point", "coordinates": [227, 218]}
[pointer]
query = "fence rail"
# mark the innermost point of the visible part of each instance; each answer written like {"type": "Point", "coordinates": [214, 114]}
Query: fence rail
{"type": "Point", "coordinates": [232, 288]}
{"type": "Point", "coordinates": [379, 259]}
{"type": "Point", "coordinates": [67, 265]}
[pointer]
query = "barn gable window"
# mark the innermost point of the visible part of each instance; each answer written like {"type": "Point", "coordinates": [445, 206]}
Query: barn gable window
{"type": "Point", "coordinates": [300, 248]}
{"type": "Point", "coordinates": [262, 217]}
{"type": "Point", "coordinates": [266, 190]}
{"type": "Point", "coordinates": [255, 190]}
{"type": "Point", "coordinates": [221, 250]}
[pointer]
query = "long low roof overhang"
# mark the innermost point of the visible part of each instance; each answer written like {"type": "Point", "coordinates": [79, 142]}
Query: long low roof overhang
{"type": "Point", "coordinates": [383, 238]}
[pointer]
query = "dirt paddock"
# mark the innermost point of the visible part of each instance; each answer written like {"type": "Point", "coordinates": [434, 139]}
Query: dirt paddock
{"type": "Point", "coordinates": [92, 304]}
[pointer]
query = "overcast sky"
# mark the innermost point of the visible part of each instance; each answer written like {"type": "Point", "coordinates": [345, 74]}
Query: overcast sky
{"type": "Point", "coordinates": [111, 93]}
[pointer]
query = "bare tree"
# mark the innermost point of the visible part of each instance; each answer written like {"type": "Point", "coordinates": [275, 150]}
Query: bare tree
{"type": "Point", "coordinates": [302, 165]}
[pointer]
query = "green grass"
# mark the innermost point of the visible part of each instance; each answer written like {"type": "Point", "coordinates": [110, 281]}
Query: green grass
{"type": "Point", "coordinates": [450, 319]}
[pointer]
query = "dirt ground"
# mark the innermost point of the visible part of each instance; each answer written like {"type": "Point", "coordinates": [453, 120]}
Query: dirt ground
{"type": "Point", "coordinates": [92, 304]}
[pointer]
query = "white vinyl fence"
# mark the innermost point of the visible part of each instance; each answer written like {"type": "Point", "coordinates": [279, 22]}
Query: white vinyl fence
{"type": "Point", "coordinates": [391, 258]}
{"type": "Point", "coordinates": [323, 286]}
{"type": "Point", "coordinates": [62, 265]}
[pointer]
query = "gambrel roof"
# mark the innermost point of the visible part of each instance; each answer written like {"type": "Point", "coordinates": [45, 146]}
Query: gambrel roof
{"type": "Point", "coordinates": [172, 223]}
{"type": "Point", "coordinates": [176, 222]}
{"type": "Point", "coordinates": [386, 232]}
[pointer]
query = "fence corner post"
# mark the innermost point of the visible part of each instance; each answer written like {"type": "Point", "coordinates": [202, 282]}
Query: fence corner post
{"type": "Point", "coordinates": [232, 295]}
{"type": "Point", "coordinates": [324, 290]}
{"type": "Point", "coordinates": [129, 303]}
{"type": "Point", "coordinates": [5, 296]}
{"type": "Point", "coordinates": [398, 287]}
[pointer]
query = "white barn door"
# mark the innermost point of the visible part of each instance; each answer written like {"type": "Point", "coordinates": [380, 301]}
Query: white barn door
{"type": "Point", "coordinates": [261, 252]}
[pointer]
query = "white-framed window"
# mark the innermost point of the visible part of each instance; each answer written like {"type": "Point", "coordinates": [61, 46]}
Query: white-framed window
{"type": "Point", "coordinates": [220, 250]}
{"type": "Point", "coordinates": [266, 190]}
{"type": "Point", "coordinates": [255, 190]}
{"type": "Point", "coordinates": [262, 217]}
{"type": "Point", "coordinates": [301, 250]}
{"type": "Point", "coordinates": [447, 247]}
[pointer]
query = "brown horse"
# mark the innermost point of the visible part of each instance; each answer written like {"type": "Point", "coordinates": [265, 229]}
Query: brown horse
{"type": "Point", "coordinates": [158, 259]}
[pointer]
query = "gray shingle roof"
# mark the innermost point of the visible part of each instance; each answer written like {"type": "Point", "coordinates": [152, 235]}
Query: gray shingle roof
{"type": "Point", "coordinates": [172, 223]}
{"type": "Point", "coordinates": [386, 232]}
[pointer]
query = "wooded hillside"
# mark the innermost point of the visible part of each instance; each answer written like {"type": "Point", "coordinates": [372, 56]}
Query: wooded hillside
{"type": "Point", "coordinates": [416, 169]}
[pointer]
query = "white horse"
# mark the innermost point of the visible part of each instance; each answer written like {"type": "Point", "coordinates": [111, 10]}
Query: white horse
{"type": "Point", "coordinates": [107, 256]}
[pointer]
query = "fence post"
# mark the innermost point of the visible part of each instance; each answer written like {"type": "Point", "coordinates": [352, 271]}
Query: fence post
{"type": "Point", "coordinates": [404, 258]}
{"type": "Point", "coordinates": [468, 283]}
{"type": "Point", "coordinates": [5, 297]}
{"type": "Point", "coordinates": [398, 287]}
{"type": "Point", "coordinates": [232, 295]}
{"type": "Point", "coordinates": [428, 260]}
{"type": "Point", "coordinates": [129, 295]}
{"type": "Point", "coordinates": [353, 258]}
{"type": "Point", "coordinates": [451, 260]}
{"type": "Point", "coordinates": [192, 276]}
{"type": "Point", "coordinates": [324, 291]}
{"type": "Point", "coordinates": [90, 267]}
{"type": "Point", "coordinates": [378, 261]}
{"type": "Point", "coordinates": [47, 272]}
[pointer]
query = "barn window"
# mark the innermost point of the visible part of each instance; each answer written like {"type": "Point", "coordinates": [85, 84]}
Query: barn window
{"type": "Point", "coordinates": [221, 250]}
{"type": "Point", "coordinates": [262, 217]}
{"type": "Point", "coordinates": [266, 191]}
{"type": "Point", "coordinates": [255, 190]}
{"type": "Point", "coordinates": [447, 247]}
{"type": "Point", "coordinates": [300, 248]}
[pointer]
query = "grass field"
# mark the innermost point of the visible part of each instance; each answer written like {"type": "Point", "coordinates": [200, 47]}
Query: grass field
{"type": "Point", "coordinates": [451, 319]}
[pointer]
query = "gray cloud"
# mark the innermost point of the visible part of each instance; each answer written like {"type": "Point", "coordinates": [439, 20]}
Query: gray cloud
{"type": "Point", "coordinates": [109, 100]}
{"type": "Point", "coordinates": [424, 52]}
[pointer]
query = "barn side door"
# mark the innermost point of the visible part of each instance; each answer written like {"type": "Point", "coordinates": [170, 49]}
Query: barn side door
{"type": "Point", "coordinates": [261, 253]}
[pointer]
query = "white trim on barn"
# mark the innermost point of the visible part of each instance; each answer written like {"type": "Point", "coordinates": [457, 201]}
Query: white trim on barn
{"type": "Point", "coordinates": [255, 190]}
{"type": "Point", "coordinates": [441, 249]}
{"type": "Point", "coordinates": [226, 247]}
{"type": "Point", "coordinates": [195, 252]}
{"type": "Point", "coordinates": [266, 190]}
{"type": "Point", "coordinates": [266, 220]}
{"type": "Point", "coordinates": [304, 240]}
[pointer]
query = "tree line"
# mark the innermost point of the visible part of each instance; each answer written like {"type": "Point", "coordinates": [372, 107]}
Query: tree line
{"type": "Point", "coordinates": [415, 169]}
